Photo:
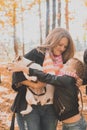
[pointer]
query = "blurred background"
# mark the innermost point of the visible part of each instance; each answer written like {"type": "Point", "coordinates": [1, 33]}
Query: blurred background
{"type": "Point", "coordinates": [24, 24]}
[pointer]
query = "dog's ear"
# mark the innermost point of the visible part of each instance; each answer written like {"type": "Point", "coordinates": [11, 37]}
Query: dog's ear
{"type": "Point", "coordinates": [18, 58]}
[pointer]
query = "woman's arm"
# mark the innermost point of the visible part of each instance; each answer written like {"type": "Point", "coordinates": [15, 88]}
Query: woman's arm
{"type": "Point", "coordinates": [31, 84]}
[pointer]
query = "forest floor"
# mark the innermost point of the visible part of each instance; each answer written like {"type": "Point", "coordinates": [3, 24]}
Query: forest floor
{"type": "Point", "coordinates": [6, 99]}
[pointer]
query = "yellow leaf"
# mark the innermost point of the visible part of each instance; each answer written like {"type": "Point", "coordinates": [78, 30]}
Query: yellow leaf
{"type": "Point", "coordinates": [2, 23]}
{"type": "Point", "coordinates": [2, 3]}
{"type": "Point", "coordinates": [85, 3]}
{"type": "Point", "coordinates": [10, 14]}
{"type": "Point", "coordinates": [67, 1]}
{"type": "Point", "coordinates": [38, 1]}
{"type": "Point", "coordinates": [15, 5]}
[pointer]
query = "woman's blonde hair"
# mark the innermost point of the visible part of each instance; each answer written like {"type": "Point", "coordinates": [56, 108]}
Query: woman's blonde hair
{"type": "Point", "coordinates": [53, 39]}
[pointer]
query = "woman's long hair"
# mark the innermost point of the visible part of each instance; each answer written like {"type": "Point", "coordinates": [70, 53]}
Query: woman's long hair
{"type": "Point", "coordinates": [53, 40]}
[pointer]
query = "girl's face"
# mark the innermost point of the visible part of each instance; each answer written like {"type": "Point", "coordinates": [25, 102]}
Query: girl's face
{"type": "Point", "coordinates": [61, 47]}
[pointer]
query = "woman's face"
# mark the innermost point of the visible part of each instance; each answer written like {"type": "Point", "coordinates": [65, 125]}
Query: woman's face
{"type": "Point", "coordinates": [61, 47]}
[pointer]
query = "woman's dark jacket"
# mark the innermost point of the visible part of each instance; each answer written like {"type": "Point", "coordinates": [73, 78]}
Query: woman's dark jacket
{"type": "Point", "coordinates": [20, 101]}
{"type": "Point", "coordinates": [65, 94]}
{"type": "Point", "coordinates": [85, 67]}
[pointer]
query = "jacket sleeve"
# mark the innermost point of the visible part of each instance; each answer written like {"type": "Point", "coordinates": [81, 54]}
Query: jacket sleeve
{"type": "Point", "coordinates": [48, 78]}
{"type": "Point", "coordinates": [33, 55]}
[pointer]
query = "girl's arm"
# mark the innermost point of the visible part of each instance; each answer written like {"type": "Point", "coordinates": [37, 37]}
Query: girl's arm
{"type": "Point", "coordinates": [47, 78]}
{"type": "Point", "coordinates": [43, 77]}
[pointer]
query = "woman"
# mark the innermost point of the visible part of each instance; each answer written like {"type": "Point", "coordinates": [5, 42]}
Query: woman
{"type": "Point", "coordinates": [58, 48]}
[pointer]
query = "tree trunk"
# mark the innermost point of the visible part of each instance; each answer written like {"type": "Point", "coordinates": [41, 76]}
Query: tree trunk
{"type": "Point", "coordinates": [22, 26]}
{"type": "Point", "coordinates": [54, 14]}
{"type": "Point", "coordinates": [47, 17]}
{"type": "Point", "coordinates": [67, 15]}
{"type": "Point", "coordinates": [15, 42]}
{"type": "Point", "coordinates": [40, 23]}
{"type": "Point", "coordinates": [59, 13]}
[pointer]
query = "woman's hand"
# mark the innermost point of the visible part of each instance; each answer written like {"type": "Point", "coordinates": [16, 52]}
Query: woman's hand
{"type": "Point", "coordinates": [31, 84]}
{"type": "Point", "coordinates": [79, 82]}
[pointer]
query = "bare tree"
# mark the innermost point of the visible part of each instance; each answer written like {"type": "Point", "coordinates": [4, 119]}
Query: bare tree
{"type": "Point", "coordinates": [47, 17]}
{"type": "Point", "coordinates": [54, 14]}
{"type": "Point", "coordinates": [59, 13]}
{"type": "Point", "coordinates": [40, 22]}
{"type": "Point", "coordinates": [22, 26]}
{"type": "Point", "coordinates": [67, 15]}
{"type": "Point", "coordinates": [14, 32]}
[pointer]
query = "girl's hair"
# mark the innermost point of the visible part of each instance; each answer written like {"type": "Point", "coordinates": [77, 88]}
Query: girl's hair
{"type": "Point", "coordinates": [79, 67]}
{"type": "Point", "coordinates": [53, 40]}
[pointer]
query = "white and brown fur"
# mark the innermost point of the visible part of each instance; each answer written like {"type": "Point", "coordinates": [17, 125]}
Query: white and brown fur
{"type": "Point", "coordinates": [29, 95]}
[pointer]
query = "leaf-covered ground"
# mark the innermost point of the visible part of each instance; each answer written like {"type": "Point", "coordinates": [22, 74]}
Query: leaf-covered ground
{"type": "Point", "coordinates": [6, 98]}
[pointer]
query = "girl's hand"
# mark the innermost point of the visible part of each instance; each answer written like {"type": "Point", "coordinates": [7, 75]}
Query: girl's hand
{"type": "Point", "coordinates": [16, 67]}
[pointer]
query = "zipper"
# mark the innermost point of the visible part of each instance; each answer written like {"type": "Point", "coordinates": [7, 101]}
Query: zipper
{"type": "Point", "coordinates": [61, 106]}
